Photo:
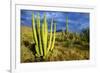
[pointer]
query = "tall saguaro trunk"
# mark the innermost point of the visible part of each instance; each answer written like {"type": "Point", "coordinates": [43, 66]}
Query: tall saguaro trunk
{"type": "Point", "coordinates": [67, 24]}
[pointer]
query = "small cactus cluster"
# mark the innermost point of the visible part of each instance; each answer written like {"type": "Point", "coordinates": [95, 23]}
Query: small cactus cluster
{"type": "Point", "coordinates": [40, 36]}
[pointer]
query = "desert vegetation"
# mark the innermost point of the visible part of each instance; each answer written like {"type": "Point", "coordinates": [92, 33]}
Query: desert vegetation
{"type": "Point", "coordinates": [40, 45]}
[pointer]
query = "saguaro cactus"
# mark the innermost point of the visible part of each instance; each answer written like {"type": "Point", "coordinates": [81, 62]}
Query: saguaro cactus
{"type": "Point", "coordinates": [67, 24]}
{"type": "Point", "coordinates": [40, 36]}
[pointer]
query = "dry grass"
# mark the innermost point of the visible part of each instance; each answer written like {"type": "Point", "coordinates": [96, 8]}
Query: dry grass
{"type": "Point", "coordinates": [67, 47]}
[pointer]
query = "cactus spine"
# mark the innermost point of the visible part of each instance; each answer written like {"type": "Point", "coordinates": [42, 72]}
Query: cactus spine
{"type": "Point", "coordinates": [67, 24]}
{"type": "Point", "coordinates": [40, 36]}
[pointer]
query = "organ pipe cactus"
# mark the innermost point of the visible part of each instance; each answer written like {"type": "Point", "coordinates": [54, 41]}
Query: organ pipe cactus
{"type": "Point", "coordinates": [40, 36]}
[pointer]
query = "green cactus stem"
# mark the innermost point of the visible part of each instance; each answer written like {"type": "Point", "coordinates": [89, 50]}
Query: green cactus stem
{"type": "Point", "coordinates": [50, 40]}
{"type": "Point", "coordinates": [67, 24]}
{"type": "Point", "coordinates": [54, 35]}
{"type": "Point", "coordinates": [39, 34]}
{"type": "Point", "coordinates": [35, 35]}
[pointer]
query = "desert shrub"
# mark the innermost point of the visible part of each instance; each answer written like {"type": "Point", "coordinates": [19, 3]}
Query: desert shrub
{"type": "Point", "coordinates": [26, 55]}
{"type": "Point", "coordinates": [85, 45]}
{"type": "Point", "coordinates": [78, 42]}
{"type": "Point", "coordinates": [60, 39]}
{"type": "Point", "coordinates": [68, 43]}
{"type": "Point", "coordinates": [71, 36]}
{"type": "Point", "coordinates": [26, 43]}
{"type": "Point", "coordinates": [85, 35]}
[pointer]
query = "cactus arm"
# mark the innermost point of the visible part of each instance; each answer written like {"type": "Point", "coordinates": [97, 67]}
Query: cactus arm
{"type": "Point", "coordinates": [50, 40]}
{"type": "Point", "coordinates": [45, 35]}
{"type": "Point", "coordinates": [39, 34]}
{"type": "Point", "coordinates": [42, 33]}
{"type": "Point", "coordinates": [35, 35]}
{"type": "Point", "coordinates": [43, 41]}
{"type": "Point", "coordinates": [54, 35]}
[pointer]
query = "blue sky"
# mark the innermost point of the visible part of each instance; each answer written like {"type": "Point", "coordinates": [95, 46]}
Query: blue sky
{"type": "Point", "coordinates": [76, 20]}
